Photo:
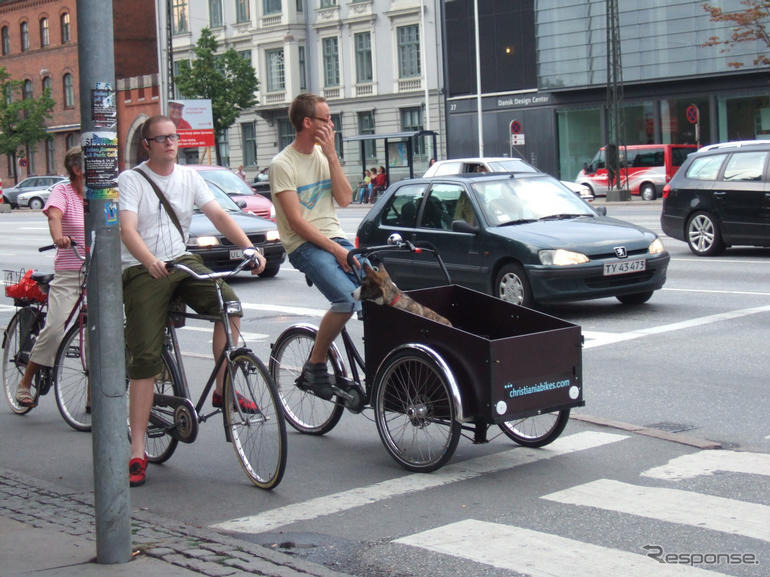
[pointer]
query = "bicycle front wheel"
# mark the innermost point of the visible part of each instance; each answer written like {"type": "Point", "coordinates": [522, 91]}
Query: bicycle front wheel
{"type": "Point", "coordinates": [305, 411]}
{"type": "Point", "coordinates": [254, 420]}
{"type": "Point", "coordinates": [414, 410]}
{"type": "Point", "coordinates": [20, 335]}
{"type": "Point", "coordinates": [71, 382]}
{"type": "Point", "coordinates": [537, 430]}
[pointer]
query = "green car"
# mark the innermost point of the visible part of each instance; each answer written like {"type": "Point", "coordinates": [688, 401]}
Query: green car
{"type": "Point", "coordinates": [523, 237]}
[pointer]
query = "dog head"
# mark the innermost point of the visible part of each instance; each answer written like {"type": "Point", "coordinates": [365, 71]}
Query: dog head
{"type": "Point", "coordinates": [376, 286]}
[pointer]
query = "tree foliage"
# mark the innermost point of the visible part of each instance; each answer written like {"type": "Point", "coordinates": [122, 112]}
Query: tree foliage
{"type": "Point", "coordinates": [750, 25]}
{"type": "Point", "coordinates": [227, 79]}
{"type": "Point", "coordinates": [22, 121]}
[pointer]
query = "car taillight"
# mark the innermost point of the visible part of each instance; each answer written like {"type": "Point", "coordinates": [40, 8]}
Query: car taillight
{"type": "Point", "coordinates": [666, 190]}
{"type": "Point", "coordinates": [356, 242]}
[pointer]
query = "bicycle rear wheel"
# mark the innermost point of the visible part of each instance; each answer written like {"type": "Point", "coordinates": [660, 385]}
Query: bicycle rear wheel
{"type": "Point", "coordinates": [258, 437]}
{"type": "Point", "coordinates": [71, 382]}
{"type": "Point", "coordinates": [304, 411]}
{"type": "Point", "coordinates": [537, 430]}
{"type": "Point", "coordinates": [159, 444]}
{"type": "Point", "coordinates": [20, 335]}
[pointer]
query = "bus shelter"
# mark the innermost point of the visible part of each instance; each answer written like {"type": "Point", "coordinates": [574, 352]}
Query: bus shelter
{"type": "Point", "coordinates": [399, 148]}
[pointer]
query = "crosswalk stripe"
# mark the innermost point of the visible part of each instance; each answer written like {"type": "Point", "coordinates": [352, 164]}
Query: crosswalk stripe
{"type": "Point", "coordinates": [411, 483]}
{"type": "Point", "coordinates": [707, 462]}
{"type": "Point", "coordinates": [671, 505]}
{"type": "Point", "coordinates": [541, 554]}
{"type": "Point", "coordinates": [248, 337]}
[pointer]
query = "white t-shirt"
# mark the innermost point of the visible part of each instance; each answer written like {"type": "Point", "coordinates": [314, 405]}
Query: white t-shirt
{"type": "Point", "coordinates": [184, 188]}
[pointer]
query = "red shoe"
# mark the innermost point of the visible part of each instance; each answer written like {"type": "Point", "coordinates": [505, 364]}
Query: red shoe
{"type": "Point", "coordinates": [136, 471]}
{"type": "Point", "coordinates": [247, 406]}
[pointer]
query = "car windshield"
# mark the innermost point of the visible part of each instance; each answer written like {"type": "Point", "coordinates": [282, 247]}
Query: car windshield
{"type": "Point", "coordinates": [510, 165]}
{"type": "Point", "coordinates": [519, 200]}
{"type": "Point", "coordinates": [224, 201]}
{"type": "Point", "coordinates": [230, 183]}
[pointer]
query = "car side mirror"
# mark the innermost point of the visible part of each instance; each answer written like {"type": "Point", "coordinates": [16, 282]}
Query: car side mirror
{"type": "Point", "coordinates": [602, 210]}
{"type": "Point", "coordinates": [464, 226]}
{"type": "Point", "coordinates": [241, 204]}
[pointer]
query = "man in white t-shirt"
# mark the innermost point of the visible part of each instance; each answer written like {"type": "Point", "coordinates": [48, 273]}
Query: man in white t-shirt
{"type": "Point", "coordinates": [306, 179]}
{"type": "Point", "coordinates": [150, 239]}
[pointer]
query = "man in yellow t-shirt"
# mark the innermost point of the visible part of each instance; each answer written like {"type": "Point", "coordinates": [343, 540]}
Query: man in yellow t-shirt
{"type": "Point", "coordinates": [306, 179]}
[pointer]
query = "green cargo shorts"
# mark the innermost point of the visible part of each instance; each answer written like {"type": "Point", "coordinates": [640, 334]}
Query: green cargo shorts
{"type": "Point", "coordinates": [146, 302]}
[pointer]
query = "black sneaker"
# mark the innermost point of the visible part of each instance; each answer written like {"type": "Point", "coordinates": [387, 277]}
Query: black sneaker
{"type": "Point", "coordinates": [316, 378]}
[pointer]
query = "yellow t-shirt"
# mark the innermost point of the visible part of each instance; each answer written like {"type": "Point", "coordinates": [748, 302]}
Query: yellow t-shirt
{"type": "Point", "coordinates": [308, 175]}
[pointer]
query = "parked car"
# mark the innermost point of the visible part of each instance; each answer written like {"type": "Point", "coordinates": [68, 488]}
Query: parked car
{"type": "Point", "coordinates": [521, 237]}
{"type": "Point", "coordinates": [644, 168]}
{"type": "Point", "coordinates": [496, 164]}
{"type": "Point", "coordinates": [36, 199]}
{"type": "Point", "coordinates": [720, 198]}
{"type": "Point", "coordinates": [219, 253]}
{"type": "Point", "coordinates": [30, 184]}
{"type": "Point", "coordinates": [237, 189]}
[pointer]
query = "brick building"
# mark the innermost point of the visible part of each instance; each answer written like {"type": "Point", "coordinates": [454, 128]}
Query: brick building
{"type": "Point", "coordinates": [39, 46]}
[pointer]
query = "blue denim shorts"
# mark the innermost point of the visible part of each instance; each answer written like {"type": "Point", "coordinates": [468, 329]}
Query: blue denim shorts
{"type": "Point", "coordinates": [326, 273]}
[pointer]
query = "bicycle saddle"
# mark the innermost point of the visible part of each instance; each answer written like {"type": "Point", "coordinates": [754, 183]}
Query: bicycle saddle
{"type": "Point", "coordinates": [42, 277]}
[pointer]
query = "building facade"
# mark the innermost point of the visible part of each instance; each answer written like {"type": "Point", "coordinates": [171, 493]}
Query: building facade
{"type": "Point", "coordinates": [377, 62]}
{"type": "Point", "coordinates": [554, 56]}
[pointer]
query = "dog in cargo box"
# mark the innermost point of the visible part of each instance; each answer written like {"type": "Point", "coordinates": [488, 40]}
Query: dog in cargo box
{"type": "Point", "coordinates": [378, 287]}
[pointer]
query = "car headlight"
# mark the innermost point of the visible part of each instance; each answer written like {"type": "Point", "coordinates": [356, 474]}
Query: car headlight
{"type": "Point", "coordinates": [272, 212]}
{"type": "Point", "coordinates": [561, 257]}
{"type": "Point", "coordinates": [272, 235]}
{"type": "Point", "coordinates": [203, 241]}
{"type": "Point", "coordinates": [656, 247]}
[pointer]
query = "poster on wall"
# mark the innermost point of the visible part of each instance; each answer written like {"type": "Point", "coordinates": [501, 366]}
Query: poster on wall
{"type": "Point", "coordinates": [194, 122]}
{"type": "Point", "coordinates": [397, 155]}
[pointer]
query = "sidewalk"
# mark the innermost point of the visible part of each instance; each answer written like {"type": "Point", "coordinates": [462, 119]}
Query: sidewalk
{"type": "Point", "coordinates": [51, 533]}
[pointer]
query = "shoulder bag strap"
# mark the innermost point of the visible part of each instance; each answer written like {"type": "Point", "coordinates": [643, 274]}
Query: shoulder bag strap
{"type": "Point", "coordinates": [164, 201]}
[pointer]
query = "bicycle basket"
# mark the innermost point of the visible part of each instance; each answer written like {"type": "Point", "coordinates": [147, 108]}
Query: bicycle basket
{"type": "Point", "coordinates": [20, 286]}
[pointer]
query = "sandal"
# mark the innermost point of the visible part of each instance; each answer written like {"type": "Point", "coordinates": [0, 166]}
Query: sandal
{"type": "Point", "coordinates": [24, 398]}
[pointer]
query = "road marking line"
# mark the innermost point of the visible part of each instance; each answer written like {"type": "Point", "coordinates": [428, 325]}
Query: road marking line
{"type": "Point", "coordinates": [299, 311]}
{"type": "Point", "coordinates": [707, 462]}
{"type": "Point", "coordinates": [540, 554]}
{"type": "Point", "coordinates": [248, 337]}
{"type": "Point", "coordinates": [414, 482]}
{"type": "Point", "coordinates": [671, 505]}
{"type": "Point", "coordinates": [717, 292]}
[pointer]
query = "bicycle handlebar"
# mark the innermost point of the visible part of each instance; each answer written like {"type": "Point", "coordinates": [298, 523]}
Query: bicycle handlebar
{"type": "Point", "coordinates": [400, 245]}
{"type": "Point", "coordinates": [247, 258]}
{"type": "Point", "coordinates": [73, 246]}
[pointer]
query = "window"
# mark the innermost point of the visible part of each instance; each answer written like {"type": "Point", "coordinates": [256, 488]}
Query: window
{"type": "Point", "coordinates": [50, 156]}
{"type": "Point", "coordinates": [276, 80]}
{"type": "Point", "coordinates": [300, 8]}
{"type": "Point", "coordinates": [48, 85]}
{"type": "Point", "coordinates": [402, 208]}
{"type": "Point", "coordinates": [243, 10]}
{"type": "Point", "coordinates": [408, 51]}
{"type": "Point", "coordinates": [179, 16]}
{"type": "Point", "coordinates": [6, 41]}
{"type": "Point", "coordinates": [24, 30]}
{"type": "Point", "coordinates": [302, 70]}
{"type": "Point", "coordinates": [706, 168]}
{"type": "Point", "coordinates": [328, 3]}
{"type": "Point", "coordinates": [366, 126]}
{"type": "Point", "coordinates": [246, 55]}
{"type": "Point", "coordinates": [71, 140]}
{"type": "Point", "coordinates": [27, 90]}
{"type": "Point", "coordinates": [224, 147]}
{"type": "Point", "coordinates": [745, 166]}
{"type": "Point", "coordinates": [411, 119]}
{"type": "Point", "coordinates": [65, 28]}
{"type": "Point", "coordinates": [45, 38]}
{"type": "Point", "coordinates": [337, 121]}
{"type": "Point", "coordinates": [249, 143]}
{"type": "Point", "coordinates": [285, 133]}
{"type": "Point", "coordinates": [331, 62]}
{"type": "Point", "coordinates": [271, 6]}
{"type": "Point", "coordinates": [215, 13]}
{"type": "Point", "coordinates": [69, 91]}
{"type": "Point", "coordinates": [363, 47]}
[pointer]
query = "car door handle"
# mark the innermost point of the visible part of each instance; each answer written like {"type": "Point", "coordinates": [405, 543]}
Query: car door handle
{"type": "Point", "coordinates": [719, 193]}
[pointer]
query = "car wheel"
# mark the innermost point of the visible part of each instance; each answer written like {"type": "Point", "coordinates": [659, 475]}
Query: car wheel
{"type": "Point", "coordinates": [270, 271]}
{"type": "Point", "coordinates": [647, 191]}
{"type": "Point", "coordinates": [635, 299]}
{"type": "Point", "coordinates": [703, 236]}
{"type": "Point", "coordinates": [35, 203]}
{"type": "Point", "coordinates": [512, 285]}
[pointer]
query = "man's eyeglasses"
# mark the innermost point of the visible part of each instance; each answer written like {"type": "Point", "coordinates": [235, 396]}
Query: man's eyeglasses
{"type": "Point", "coordinates": [321, 119]}
{"type": "Point", "coordinates": [160, 139]}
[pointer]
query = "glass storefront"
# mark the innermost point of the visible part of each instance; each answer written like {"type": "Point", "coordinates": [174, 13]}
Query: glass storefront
{"type": "Point", "coordinates": [744, 118]}
{"type": "Point", "coordinates": [580, 136]}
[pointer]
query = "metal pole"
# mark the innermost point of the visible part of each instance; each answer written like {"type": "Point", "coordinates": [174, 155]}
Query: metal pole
{"type": "Point", "coordinates": [425, 65]}
{"type": "Point", "coordinates": [478, 79]}
{"type": "Point", "coordinates": [106, 358]}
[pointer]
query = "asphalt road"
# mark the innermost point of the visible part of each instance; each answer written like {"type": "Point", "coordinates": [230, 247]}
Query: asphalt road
{"type": "Point", "coordinates": [599, 501]}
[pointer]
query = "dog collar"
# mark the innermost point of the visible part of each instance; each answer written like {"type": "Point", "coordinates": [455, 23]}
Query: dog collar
{"type": "Point", "coordinates": [395, 300]}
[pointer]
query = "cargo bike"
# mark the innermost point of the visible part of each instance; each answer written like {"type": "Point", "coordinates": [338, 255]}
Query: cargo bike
{"type": "Point", "coordinates": [428, 383]}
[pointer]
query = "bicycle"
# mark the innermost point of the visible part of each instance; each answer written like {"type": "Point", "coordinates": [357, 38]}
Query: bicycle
{"type": "Point", "coordinates": [69, 375]}
{"type": "Point", "coordinates": [428, 383]}
{"type": "Point", "coordinates": [259, 439]}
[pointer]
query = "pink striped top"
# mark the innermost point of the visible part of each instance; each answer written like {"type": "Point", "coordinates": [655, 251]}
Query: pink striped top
{"type": "Point", "coordinates": [64, 197]}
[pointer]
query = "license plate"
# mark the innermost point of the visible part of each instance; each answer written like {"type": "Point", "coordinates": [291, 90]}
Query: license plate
{"type": "Point", "coordinates": [236, 254]}
{"type": "Point", "coordinates": [625, 266]}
